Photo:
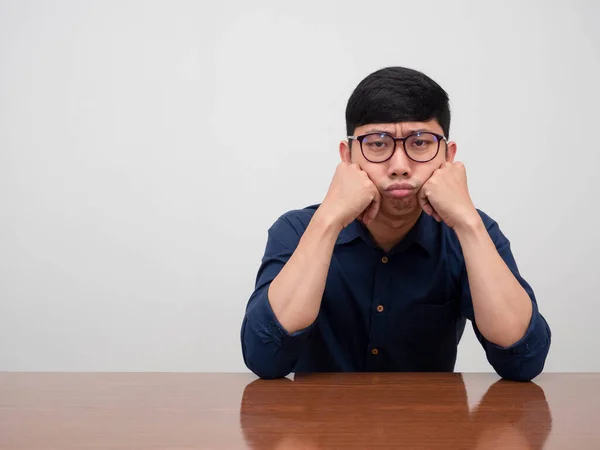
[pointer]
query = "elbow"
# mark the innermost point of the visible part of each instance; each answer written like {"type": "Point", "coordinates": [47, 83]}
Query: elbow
{"type": "Point", "coordinates": [266, 371]}
{"type": "Point", "coordinates": [530, 359]}
{"type": "Point", "coordinates": [264, 354]}
{"type": "Point", "coordinates": [525, 369]}
{"type": "Point", "coordinates": [522, 374]}
{"type": "Point", "coordinates": [262, 364]}
{"type": "Point", "coordinates": [269, 374]}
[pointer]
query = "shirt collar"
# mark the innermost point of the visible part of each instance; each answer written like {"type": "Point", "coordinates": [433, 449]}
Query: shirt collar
{"type": "Point", "coordinates": [422, 233]}
{"type": "Point", "coordinates": [350, 232]}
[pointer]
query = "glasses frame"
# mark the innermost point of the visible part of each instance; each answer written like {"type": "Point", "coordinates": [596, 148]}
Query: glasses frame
{"type": "Point", "coordinates": [361, 138]}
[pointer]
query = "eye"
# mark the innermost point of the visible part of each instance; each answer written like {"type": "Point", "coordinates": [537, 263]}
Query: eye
{"type": "Point", "coordinates": [378, 141]}
{"type": "Point", "coordinates": [422, 141]}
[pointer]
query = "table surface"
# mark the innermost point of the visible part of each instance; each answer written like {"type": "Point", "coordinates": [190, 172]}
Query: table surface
{"type": "Point", "coordinates": [354, 410]}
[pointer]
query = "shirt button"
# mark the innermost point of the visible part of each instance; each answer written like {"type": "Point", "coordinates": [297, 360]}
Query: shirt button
{"type": "Point", "coordinates": [379, 308]}
{"type": "Point", "coordinates": [384, 259]}
{"type": "Point", "coordinates": [375, 351]}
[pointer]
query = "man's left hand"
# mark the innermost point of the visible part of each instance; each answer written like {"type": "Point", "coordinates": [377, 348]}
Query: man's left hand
{"type": "Point", "coordinates": [445, 196]}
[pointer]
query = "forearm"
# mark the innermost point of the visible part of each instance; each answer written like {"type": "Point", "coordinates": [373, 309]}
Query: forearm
{"type": "Point", "coordinates": [501, 306]}
{"type": "Point", "coordinates": [295, 294]}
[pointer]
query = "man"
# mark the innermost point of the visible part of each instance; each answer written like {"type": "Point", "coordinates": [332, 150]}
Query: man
{"type": "Point", "coordinates": [382, 275]}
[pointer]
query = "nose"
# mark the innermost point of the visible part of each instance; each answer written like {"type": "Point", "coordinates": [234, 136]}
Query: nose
{"type": "Point", "coordinates": [399, 165]}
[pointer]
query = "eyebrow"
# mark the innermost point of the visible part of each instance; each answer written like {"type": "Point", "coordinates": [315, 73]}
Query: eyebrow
{"type": "Point", "coordinates": [408, 132]}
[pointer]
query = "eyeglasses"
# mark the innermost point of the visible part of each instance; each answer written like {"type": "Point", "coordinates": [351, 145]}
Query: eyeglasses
{"type": "Point", "coordinates": [422, 146]}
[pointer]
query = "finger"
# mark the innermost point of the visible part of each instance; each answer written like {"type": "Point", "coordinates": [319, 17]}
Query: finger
{"type": "Point", "coordinates": [426, 206]}
{"type": "Point", "coordinates": [375, 205]}
{"type": "Point", "coordinates": [371, 212]}
{"type": "Point", "coordinates": [424, 202]}
{"type": "Point", "coordinates": [366, 215]}
{"type": "Point", "coordinates": [373, 209]}
{"type": "Point", "coordinates": [436, 216]}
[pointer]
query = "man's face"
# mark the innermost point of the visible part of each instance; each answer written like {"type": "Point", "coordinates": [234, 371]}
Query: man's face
{"type": "Point", "coordinates": [399, 169]}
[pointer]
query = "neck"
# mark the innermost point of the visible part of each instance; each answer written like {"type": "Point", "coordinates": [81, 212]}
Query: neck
{"type": "Point", "coordinates": [388, 231]}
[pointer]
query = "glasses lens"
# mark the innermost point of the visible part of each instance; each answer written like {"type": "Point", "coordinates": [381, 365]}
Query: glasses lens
{"type": "Point", "coordinates": [422, 146]}
{"type": "Point", "coordinates": [377, 147]}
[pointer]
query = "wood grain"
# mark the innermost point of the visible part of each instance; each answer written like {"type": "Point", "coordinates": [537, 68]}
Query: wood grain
{"type": "Point", "coordinates": [360, 410]}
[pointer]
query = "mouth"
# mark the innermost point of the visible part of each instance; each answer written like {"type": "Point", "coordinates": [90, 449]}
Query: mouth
{"type": "Point", "coordinates": [400, 190]}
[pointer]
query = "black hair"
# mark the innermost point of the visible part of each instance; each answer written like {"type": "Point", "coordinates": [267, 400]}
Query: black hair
{"type": "Point", "coordinates": [397, 94]}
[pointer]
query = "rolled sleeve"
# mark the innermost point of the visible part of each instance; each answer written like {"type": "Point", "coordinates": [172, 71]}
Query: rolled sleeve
{"type": "Point", "coordinates": [268, 349]}
{"type": "Point", "coordinates": [525, 359]}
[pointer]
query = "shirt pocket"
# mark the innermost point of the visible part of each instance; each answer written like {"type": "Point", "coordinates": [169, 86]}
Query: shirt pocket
{"type": "Point", "coordinates": [433, 315]}
{"type": "Point", "coordinates": [431, 325]}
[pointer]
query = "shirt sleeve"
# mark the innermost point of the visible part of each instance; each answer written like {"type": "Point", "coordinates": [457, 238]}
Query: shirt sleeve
{"type": "Point", "coordinates": [525, 359]}
{"type": "Point", "coordinates": [268, 349]}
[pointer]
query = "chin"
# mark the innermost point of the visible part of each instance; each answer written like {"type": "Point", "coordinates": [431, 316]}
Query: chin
{"type": "Point", "coordinates": [400, 206]}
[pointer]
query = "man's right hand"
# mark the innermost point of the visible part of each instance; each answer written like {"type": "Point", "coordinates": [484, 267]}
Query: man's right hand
{"type": "Point", "coordinates": [351, 195]}
{"type": "Point", "coordinates": [296, 292]}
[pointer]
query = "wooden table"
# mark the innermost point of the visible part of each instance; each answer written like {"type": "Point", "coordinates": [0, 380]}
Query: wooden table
{"type": "Point", "coordinates": [363, 411]}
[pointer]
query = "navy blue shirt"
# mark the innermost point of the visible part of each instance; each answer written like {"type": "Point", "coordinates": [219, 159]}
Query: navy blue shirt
{"type": "Point", "coordinates": [402, 310]}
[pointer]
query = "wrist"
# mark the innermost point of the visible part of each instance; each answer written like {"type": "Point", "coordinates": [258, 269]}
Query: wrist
{"type": "Point", "coordinates": [326, 221]}
{"type": "Point", "coordinates": [470, 225]}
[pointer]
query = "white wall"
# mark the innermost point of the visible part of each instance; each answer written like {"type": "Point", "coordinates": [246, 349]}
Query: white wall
{"type": "Point", "coordinates": [135, 193]}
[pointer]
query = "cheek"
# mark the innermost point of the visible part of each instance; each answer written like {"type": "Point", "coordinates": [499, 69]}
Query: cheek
{"type": "Point", "coordinates": [428, 169]}
{"type": "Point", "coordinates": [376, 173]}
{"type": "Point", "coordinates": [422, 174]}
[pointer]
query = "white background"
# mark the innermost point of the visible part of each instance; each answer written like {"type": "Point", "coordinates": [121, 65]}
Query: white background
{"type": "Point", "coordinates": [136, 187]}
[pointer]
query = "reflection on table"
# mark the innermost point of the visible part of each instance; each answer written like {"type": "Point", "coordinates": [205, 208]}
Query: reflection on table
{"type": "Point", "coordinates": [391, 410]}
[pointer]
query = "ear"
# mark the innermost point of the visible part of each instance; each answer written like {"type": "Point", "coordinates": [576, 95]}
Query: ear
{"type": "Point", "coordinates": [345, 152]}
{"type": "Point", "coordinates": [451, 152]}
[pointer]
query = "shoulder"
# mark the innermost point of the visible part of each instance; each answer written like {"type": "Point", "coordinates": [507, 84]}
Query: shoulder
{"type": "Point", "coordinates": [493, 229]}
{"type": "Point", "coordinates": [487, 220]}
{"type": "Point", "coordinates": [449, 236]}
{"type": "Point", "coordinates": [295, 221]}
{"type": "Point", "coordinates": [299, 218]}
